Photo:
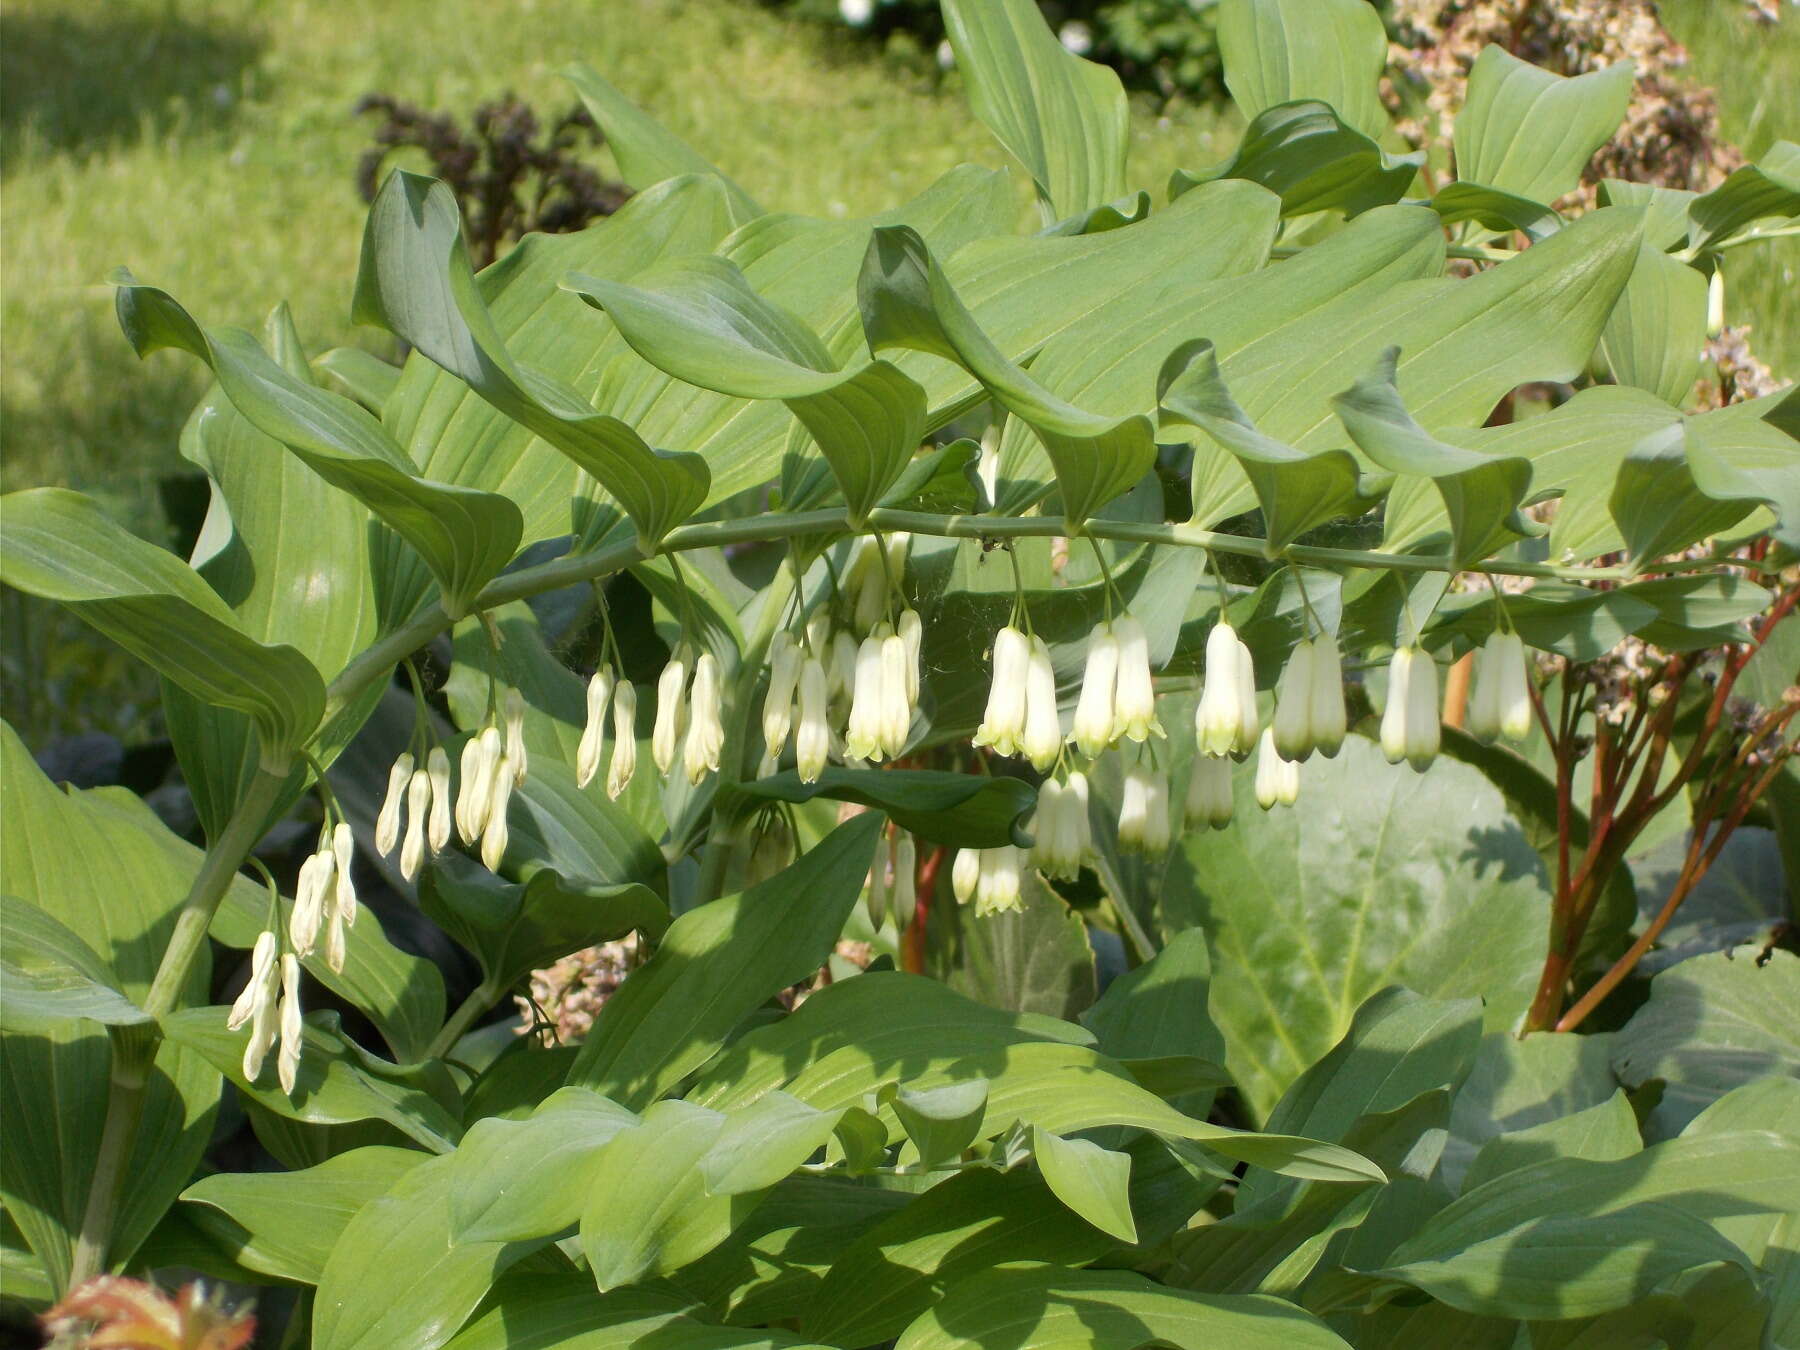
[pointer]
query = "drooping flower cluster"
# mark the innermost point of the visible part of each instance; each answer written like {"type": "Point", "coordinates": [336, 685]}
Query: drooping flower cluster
{"type": "Point", "coordinates": [325, 897]}
{"type": "Point", "coordinates": [270, 1003]}
{"type": "Point", "coordinates": [604, 690]}
{"type": "Point", "coordinates": [990, 877]}
{"type": "Point", "coordinates": [893, 880]}
{"type": "Point", "coordinates": [1062, 834]}
{"type": "Point", "coordinates": [1500, 701]}
{"type": "Point", "coordinates": [1410, 726]}
{"type": "Point", "coordinates": [1309, 701]}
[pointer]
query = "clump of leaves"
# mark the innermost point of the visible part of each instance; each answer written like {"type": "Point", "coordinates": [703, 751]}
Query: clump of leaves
{"type": "Point", "coordinates": [510, 176]}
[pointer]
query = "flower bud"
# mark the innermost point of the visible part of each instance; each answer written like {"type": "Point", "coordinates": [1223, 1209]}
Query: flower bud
{"type": "Point", "coordinates": [863, 738]}
{"type": "Point", "coordinates": [1481, 717]}
{"type": "Point", "coordinates": [965, 874]}
{"type": "Point", "coordinates": [870, 581]}
{"type": "Point", "coordinates": [514, 706]}
{"type": "Point", "coordinates": [904, 898]}
{"type": "Point", "coordinates": [1144, 811]}
{"type": "Point", "coordinates": [437, 768]}
{"type": "Point", "coordinates": [263, 1017]}
{"type": "Point", "coordinates": [494, 835]}
{"type": "Point", "coordinates": [624, 756]}
{"type": "Point", "coordinates": [1093, 728]}
{"type": "Point", "coordinates": [262, 966]}
{"type": "Point", "coordinates": [706, 734]}
{"type": "Point", "coordinates": [593, 731]}
{"type": "Point", "coordinates": [912, 635]}
{"type": "Point", "coordinates": [1134, 693]}
{"type": "Point", "coordinates": [1409, 724]}
{"type": "Point", "coordinates": [812, 739]}
{"type": "Point", "coordinates": [896, 703]}
{"type": "Point", "coordinates": [1292, 724]}
{"type": "Point", "coordinates": [1515, 690]}
{"type": "Point", "coordinates": [336, 944]}
{"type": "Point", "coordinates": [1277, 779]}
{"type": "Point", "coordinates": [875, 904]}
{"type": "Point", "coordinates": [293, 1030]}
{"type": "Point", "coordinates": [418, 804]}
{"type": "Point", "coordinates": [997, 887]}
{"type": "Point", "coordinates": [778, 703]}
{"type": "Point", "coordinates": [671, 712]}
{"type": "Point", "coordinates": [387, 820]}
{"type": "Point", "coordinates": [841, 670]}
{"type": "Point", "coordinates": [343, 848]}
{"type": "Point", "coordinates": [470, 775]}
{"type": "Point", "coordinates": [1328, 719]}
{"type": "Point", "coordinates": [1004, 721]}
{"type": "Point", "coordinates": [309, 901]}
{"type": "Point", "coordinates": [1209, 795]}
{"type": "Point", "coordinates": [1225, 722]}
{"type": "Point", "coordinates": [1042, 738]}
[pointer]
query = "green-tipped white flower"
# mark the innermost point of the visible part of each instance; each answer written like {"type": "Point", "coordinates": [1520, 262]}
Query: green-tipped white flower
{"type": "Point", "coordinates": [624, 756]}
{"type": "Point", "coordinates": [862, 737]}
{"type": "Point", "coordinates": [965, 874]}
{"type": "Point", "coordinates": [997, 887]}
{"type": "Point", "coordinates": [418, 807]}
{"type": "Point", "coordinates": [1328, 717]}
{"type": "Point", "coordinates": [437, 768]}
{"type": "Point", "coordinates": [706, 728]}
{"type": "Point", "coordinates": [1041, 740]}
{"type": "Point", "coordinates": [1144, 811]}
{"type": "Point", "coordinates": [1500, 702]}
{"type": "Point", "coordinates": [912, 637]}
{"type": "Point", "coordinates": [387, 820]}
{"type": "Point", "coordinates": [494, 831]}
{"type": "Point", "coordinates": [840, 667]}
{"type": "Point", "coordinates": [475, 794]}
{"type": "Point", "coordinates": [1061, 833]}
{"type": "Point", "coordinates": [1093, 729]}
{"type": "Point", "coordinates": [259, 988]}
{"type": "Point", "coordinates": [671, 712]}
{"type": "Point", "coordinates": [1134, 691]}
{"type": "Point", "coordinates": [1292, 725]}
{"type": "Point", "coordinates": [1225, 723]}
{"type": "Point", "coordinates": [812, 737]}
{"type": "Point", "coordinates": [866, 578]}
{"type": "Point", "coordinates": [593, 732]}
{"type": "Point", "coordinates": [310, 891]}
{"type": "Point", "coordinates": [1277, 778]}
{"type": "Point", "coordinates": [1410, 726]}
{"type": "Point", "coordinates": [778, 704]}
{"type": "Point", "coordinates": [293, 1030]}
{"type": "Point", "coordinates": [343, 849]}
{"type": "Point", "coordinates": [1209, 797]}
{"type": "Point", "coordinates": [514, 712]}
{"type": "Point", "coordinates": [896, 701]}
{"type": "Point", "coordinates": [1004, 722]}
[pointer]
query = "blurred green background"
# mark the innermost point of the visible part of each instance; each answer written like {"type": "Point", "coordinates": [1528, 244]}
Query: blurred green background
{"type": "Point", "coordinates": [210, 146]}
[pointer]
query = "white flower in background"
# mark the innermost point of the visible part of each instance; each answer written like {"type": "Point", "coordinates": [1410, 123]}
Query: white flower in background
{"type": "Point", "coordinates": [818, 632]}
{"type": "Point", "coordinates": [437, 769]}
{"type": "Point", "coordinates": [946, 55]}
{"type": "Point", "coordinates": [1500, 703]}
{"type": "Point", "coordinates": [1134, 692]}
{"type": "Point", "coordinates": [875, 905]}
{"type": "Point", "coordinates": [812, 738]}
{"type": "Point", "coordinates": [1041, 740]}
{"type": "Point", "coordinates": [293, 1030]}
{"type": "Point", "coordinates": [418, 807]}
{"type": "Point", "coordinates": [1277, 779]}
{"type": "Point", "coordinates": [494, 831]}
{"type": "Point", "coordinates": [514, 712]}
{"type": "Point", "coordinates": [256, 1005]}
{"type": "Point", "coordinates": [965, 874]}
{"type": "Point", "coordinates": [387, 820]}
{"type": "Point", "coordinates": [1226, 720]}
{"type": "Point", "coordinates": [624, 756]}
{"type": "Point", "coordinates": [997, 887]}
{"type": "Point", "coordinates": [904, 898]}
{"type": "Point", "coordinates": [862, 738]}
{"type": "Point", "coordinates": [1410, 723]}
{"type": "Point", "coordinates": [912, 636]}
{"type": "Point", "coordinates": [987, 462]}
{"type": "Point", "coordinates": [1329, 721]}
{"type": "Point", "coordinates": [1093, 729]}
{"type": "Point", "coordinates": [1076, 37]}
{"type": "Point", "coordinates": [841, 670]}
{"type": "Point", "coordinates": [1144, 811]}
{"type": "Point", "coordinates": [866, 580]}
{"type": "Point", "coordinates": [856, 13]}
{"type": "Point", "coordinates": [1291, 726]}
{"type": "Point", "coordinates": [1209, 796]}
{"type": "Point", "coordinates": [593, 731]}
{"type": "Point", "coordinates": [1003, 724]}
{"type": "Point", "coordinates": [671, 711]}
{"type": "Point", "coordinates": [778, 703]}
{"type": "Point", "coordinates": [706, 730]}
{"type": "Point", "coordinates": [896, 711]}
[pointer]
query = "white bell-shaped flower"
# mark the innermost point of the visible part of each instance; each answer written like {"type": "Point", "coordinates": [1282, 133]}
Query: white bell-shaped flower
{"type": "Point", "coordinates": [998, 887]}
{"type": "Point", "coordinates": [343, 851]}
{"type": "Point", "coordinates": [623, 766]}
{"type": "Point", "coordinates": [437, 769]}
{"type": "Point", "coordinates": [1410, 726]}
{"type": "Point", "coordinates": [1144, 811]}
{"type": "Point", "coordinates": [387, 820]}
{"type": "Point", "coordinates": [896, 701]}
{"type": "Point", "coordinates": [1291, 726]}
{"type": "Point", "coordinates": [863, 738]}
{"type": "Point", "coordinates": [418, 807]}
{"type": "Point", "coordinates": [1093, 729]}
{"type": "Point", "coordinates": [671, 712]}
{"type": "Point", "coordinates": [812, 738]}
{"type": "Point", "coordinates": [1226, 720]}
{"type": "Point", "coordinates": [1209, 794]}
{"type": "Point", "coordinates": [592, 748]}
{"type": "Point", "coordinates": [1329, 721]}
{"type": "Point", "coordinates": [778, 704]}
{"type": "Point", "coordinates": [514, 716]}
{"type": "Point", "coordinates": [494, 832]}
{"type": "Point", "coordinates": [309, 901]}
{"type": "Point", "coordinates": [1042, 738]}
{"type": "Point", "coordinates": [912, 636]}
{"type": "Point", "coordinates": [293, 1029]}
{"type": "Point", "coordinates": [471, 774]}
{"type": "Point", "coordinates": [965, 874]}
{"type": "Point", "coordinates": [1500, 701]}
{"type": "Point", "coordinates": [1060, 828]}
{"type": "Point", "coordinates": [258, 987]}
{"type": "Point", "coordinates": [1277, 778]}
{"type": "Point", "coordinates": [1134, 690]}
{"type": "Point", "coordinates": [1003, 725]}
{"type": "Point", "coordinates": [706, 729]}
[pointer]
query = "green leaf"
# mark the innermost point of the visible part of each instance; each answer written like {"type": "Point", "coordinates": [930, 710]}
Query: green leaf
{"type": "Point", "coordinates": [1040, 1307]}
{"type": "Point", "coordinates": [717, 964]}
{"type": "Point", "coordinates": [463, 535]}
{"type": "Point", "coordinates": [1093, 1181]}
{"type": "Point", "coordinates": [1036, 958]}
{"type": "Point", "coordinates": [563, 1312]}
{"type": "Point", "coordinates": [763, 1143]}
{"type": "Point", "coordinates": [1517, 1084]}
{"type": "Point", "coordinates": [1498, 211]}
{"type": "Point", "coordinates": [284, 1224]}
{"type": "Point", "coordinates": [700, 321]}
{"type": "Point", "coordinates": [1687, 482]}
{"type": "Point", "coordinates": [1277, 51]}
{"type": "Point", "coordinates": [942, 1121]}
{"type": "Point", "coordinates": [338, 1082]}
{"type": "Point", "coordinates": [49, 976]}
{"type": "Point", "coordinates": [361, 1305]}
{"type": "Point", "coordinates": [1711, 1024]}
{"type": "Point", "coordinates": [907, 301]}
{"type": "Point", "coordinates": [1571, 1265]}
{"type": "Point", "coordinates": [647, 152]}
{"type": "Point", "coordinates": [1482, 493]}
{"type": "Point", "coordinates": [1431, 886]}
{"type": "Point", "coordinates": [516, 1180]}
{"type": "Point", "coordinates": [1600, 1133]}
{"type": "Point", "coordinates": [958, 810]}
{"type": "Point", "coordinates": [1531, 132]}
{"type": "Point", "coordinates": [1310, 158]}
{"type": "Point", "coordinates": [1063, 118]}
{"type": "Point", "coordinates": [1297, 491]}
{"type": "Point", "coordinates": [359, 374]}
{"type": "Point", "coordinates": [1754, 192]}
{"type": "Point", "coordinates": [1657, 329]}
{"type": "Point", "coordinates": [416, 282]}
{"type": "Point", "coordinates": [61, 546]}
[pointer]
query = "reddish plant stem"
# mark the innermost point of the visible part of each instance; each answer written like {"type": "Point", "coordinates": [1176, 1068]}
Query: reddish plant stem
{"type": "Point", "coordinates": [912, 944]}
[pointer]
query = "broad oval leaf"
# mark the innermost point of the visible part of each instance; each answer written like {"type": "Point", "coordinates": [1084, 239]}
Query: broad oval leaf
{"type": "Point", "coordinates": [1278, 51]}
{"type": "Point", "coordinates": [516, 1180]}
{"type": "Point", "coordinates": [1531, 132]}
{"type": "Point", "coordinates": [1309, 157]}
